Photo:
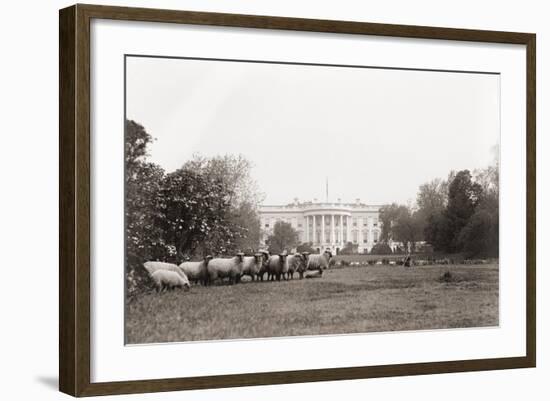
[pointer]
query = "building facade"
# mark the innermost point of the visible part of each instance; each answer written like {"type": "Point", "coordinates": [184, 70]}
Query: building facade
{"type": "Point", "coordinates": [326, 225]}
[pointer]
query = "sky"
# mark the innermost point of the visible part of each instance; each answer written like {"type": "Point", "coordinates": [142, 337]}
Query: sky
{"type": "Point", "coordinates": [375, 134]}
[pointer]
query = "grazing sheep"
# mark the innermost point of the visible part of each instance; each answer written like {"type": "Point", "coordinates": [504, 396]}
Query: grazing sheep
{"type": "Point", "coordinates": [277, 267]}
{"type": "Point", "coordinates": [294, 263]}
{"type": "Point", "coordinates": [196, 271]}
{"type": "Point", "coordinates": [314, 274]}
{"type": "Point", "coordinates": [252, 265]}
{"type": "Point", "coordinates": [265, 265]}
{"type": "Point", "coordinates": [231, 268]}
{"type": "Point", "coordinates": [303, 266]}
{"type": "Point", "coordinates": [319, 261]}
{"type": "Point", "coordinates": [168, 280]}
{"type": "Point", "coordinates": [152, 267]}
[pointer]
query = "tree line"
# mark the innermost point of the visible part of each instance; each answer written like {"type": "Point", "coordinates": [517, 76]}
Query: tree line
{"type": "Point", "coordinates": [208, 206]}
{"type": "Point", "coordinates": [456, 215]}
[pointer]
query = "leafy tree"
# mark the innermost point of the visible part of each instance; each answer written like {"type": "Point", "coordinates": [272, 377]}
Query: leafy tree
{"type": "Point", "coordinates": [193, 212]}
{"type": "Point", "coordinates": [144, 239]}
{"type": "Point", "coordinates": [479, 237]}
{"type": "Point", "coordinates": [469, 222]}
{"type": "Point", "coordinates": [240, 215]}
{"type": "Point", "coordinates": [432, 196]}
{"type": "Point", "coordinates": [401, 223]}
{"type": "Point", "coordinates": [247, 222]}
{"type": "Point", "coordinates": [284, 237]}
{"type": "Point", "coordinates": [438, 231]}
{"type": "Point", "coordinates": [464, 196]}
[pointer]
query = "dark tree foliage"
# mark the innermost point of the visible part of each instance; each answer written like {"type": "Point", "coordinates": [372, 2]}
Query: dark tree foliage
{"type": "Point", "coordinates": [381, 248]}
{"type": "Point", "coordinates": [192, 210]}
{"type": "Point", "coordinates": [470, 222]}
{"type": "Point", "coordinates": [284, 237]}
{"type": "Point", "coordinates": [144, 239]}
{"type": "Point", "coordinates": [464, 196]}
{"type": "Point", "coordinates": [401, 223]}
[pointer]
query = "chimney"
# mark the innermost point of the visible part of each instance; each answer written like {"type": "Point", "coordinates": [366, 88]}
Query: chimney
{"type": "Point", "coordinates": [339, 200]}
{"type": "Point", "coordinates": [358, 200]}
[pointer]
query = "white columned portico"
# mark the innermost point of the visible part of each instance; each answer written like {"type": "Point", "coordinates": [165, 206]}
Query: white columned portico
{"type": "Point", "coordinates": [348, 234]}
{"type": "Point", "coordinates": [323, 239]}
{"type": "Point", "coordinates": [341, 230]}
{"type": "Point", "coordinates": [314, 230]}
{"type": "Point", "coordinates": [332, 233]}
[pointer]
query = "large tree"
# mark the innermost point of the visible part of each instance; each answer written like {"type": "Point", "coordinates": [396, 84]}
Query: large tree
{"type": "Point", "coordinates": [464, 196]}
{"type": "Point", "coordinates": [401, 223]}
{"type": "Point", "coordinates": [194, 210]}
{"type": "Point", "coordinates": [284, 237]}
{"type": "Point", "coordinates": [144, 238]}
{"type": "Point", "coordinates": [242, 196]}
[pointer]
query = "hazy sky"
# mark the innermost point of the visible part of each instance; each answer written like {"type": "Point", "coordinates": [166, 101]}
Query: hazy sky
{"type": "Point", "coordinates": [376, 134]}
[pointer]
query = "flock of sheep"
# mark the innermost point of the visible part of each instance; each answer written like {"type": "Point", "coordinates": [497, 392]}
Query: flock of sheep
{"type": "Point", "coordinates": [167, 276]}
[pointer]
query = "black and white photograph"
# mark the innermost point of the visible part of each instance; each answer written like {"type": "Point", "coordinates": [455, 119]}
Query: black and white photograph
{"type": "Point", "coordinates": [275, 199]}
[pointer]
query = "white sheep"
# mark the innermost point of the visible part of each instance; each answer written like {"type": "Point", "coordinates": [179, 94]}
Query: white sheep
{"type": "Point", "coordinates": [319, 261]}
{"type": "Point", "coordinates": [252, 265]}
{"type": "Point", "coordinates": [277, 267]}
{"type": "Point", "coordinates": [314, 274]}
{"type": "Point", "coordinates": [231, 268]}
{"type": "Point", "coordinates": [265, 265]}
{"type": "Point", "coordinates": [196, 272]}
{"type": "Point", "coordinates": [303, 266]}
{"type": "Point", "coordinates": [168, 280]}
{"type": "Point", "coordinates": [152, 267]}
{"type": "Point", "coordinates": [296, 263]}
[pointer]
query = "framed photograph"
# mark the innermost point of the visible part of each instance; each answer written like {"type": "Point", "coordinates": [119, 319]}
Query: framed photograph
{"type": "Point", "coordinates": [249, 200]}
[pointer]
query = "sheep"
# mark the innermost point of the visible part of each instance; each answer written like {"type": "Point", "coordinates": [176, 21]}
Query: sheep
{"type": "Point", "coordinates": [294, 263]}
{"type": "Point", "coordinates": [231, 268]}
{"type": "Point", "coordinates": [152, 267]}
{"type": "Point", "coordinates": [196, 271]}
{"type": "Point", "coordinates": [277, 266]}
{"type": "Point", "coordinates": [265, 265]}
{"type": "Point", "coordinates": [314, 274]}
{"type": "Point", "coordinates": [303, 266]}
{"type": "Point", "coordinates": [168, 280]}
{"type": "Point", "coordinates": [319, 261]}
{"type": "Point", "coordinates": [252, 265]}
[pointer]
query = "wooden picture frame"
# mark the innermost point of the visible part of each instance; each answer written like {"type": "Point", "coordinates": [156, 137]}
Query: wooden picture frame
{"type": "Point", "coordinates": [74, 199]}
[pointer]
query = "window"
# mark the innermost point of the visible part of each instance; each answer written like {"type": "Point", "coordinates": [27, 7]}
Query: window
{"type": "Point", "coordinates": [354, 222]}
{"type": "Point", "coordinates": [267, 225]}
{"type": "Point", "coordinates": [299, 224]}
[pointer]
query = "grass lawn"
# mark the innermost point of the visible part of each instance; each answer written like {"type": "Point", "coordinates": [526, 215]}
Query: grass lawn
{"type": "Point", "coordinates": [344, 300]}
